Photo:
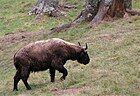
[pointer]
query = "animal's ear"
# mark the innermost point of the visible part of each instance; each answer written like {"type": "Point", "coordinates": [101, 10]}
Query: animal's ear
{"type": "Point", "coordinates": [79, 43]}
{"type": "Point", "coordinates": [86, 47]}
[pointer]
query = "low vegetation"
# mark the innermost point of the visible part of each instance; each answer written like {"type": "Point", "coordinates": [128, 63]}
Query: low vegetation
{"type": "Point", "coordinates": [114, 49]}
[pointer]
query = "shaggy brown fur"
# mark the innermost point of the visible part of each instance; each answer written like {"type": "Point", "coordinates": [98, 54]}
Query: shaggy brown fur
{"type": "Point", "coordinates": [46, 54]}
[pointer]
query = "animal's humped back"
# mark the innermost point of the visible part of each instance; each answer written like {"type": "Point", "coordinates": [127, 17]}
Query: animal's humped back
{"type": "Point", "coordinates": [61, 40]}
{"type": "Point", "coordinates": [57, 40]}
{"type": "Point", "coordinates": [41, 41]}
{"type": "Point", "coordinates": [44, 45]}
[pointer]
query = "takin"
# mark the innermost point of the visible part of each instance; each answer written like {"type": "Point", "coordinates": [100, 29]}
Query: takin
{"type": "Point", "coordinates": [49, 54]}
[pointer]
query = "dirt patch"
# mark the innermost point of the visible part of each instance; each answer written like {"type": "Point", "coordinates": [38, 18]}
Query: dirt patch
{"type": "Point", "coordinates": [106, 36]}
{"type": "Point", "coordinates": [15, 37]}
{"type": "Point", "coordinates": [109, 37]}
{"type": "Point", "coordinates": [65, 92]}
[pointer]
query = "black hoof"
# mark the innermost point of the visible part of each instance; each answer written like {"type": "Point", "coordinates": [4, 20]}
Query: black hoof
{"type": "Point", "coordinates": [15, 89]}
{"type": "Point", "coordinates": [29, 88]}
{"type": "Point", "coordinates": [52, 81]}
{"type": "Point", "coordinates": [62, 78]}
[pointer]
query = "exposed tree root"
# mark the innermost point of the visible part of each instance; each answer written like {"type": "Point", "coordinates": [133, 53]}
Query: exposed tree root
{"type": "Point", "coordinates": [100, 11]}
{"type": "Point", "coordinates": [133, 12]}
{"type": "Point", "coordinates": [60, 28]}
{"type": "Point", "coordinates": [86, 15]}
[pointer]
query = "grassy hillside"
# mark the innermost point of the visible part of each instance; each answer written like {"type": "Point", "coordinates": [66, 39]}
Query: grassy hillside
{"type": "Point", "coordinates": [114, 50]}
{"type": "Point", "coordinates": [14, 17]}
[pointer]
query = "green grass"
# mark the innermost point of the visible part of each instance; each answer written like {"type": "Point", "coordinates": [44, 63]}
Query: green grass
{"type": "Point", "coordinates": [136, 4]}
{"type": "Point", "coordinates": [114, 50]}
{"type": "Point", "coordinates": [14, 18]}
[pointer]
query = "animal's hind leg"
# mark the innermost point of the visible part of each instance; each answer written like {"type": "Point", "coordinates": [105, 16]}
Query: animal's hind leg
{"type": "Point", "coordinates": [16, 80]}
{"type": "Point", "coordinates": [52, 74]}
{"type": "Point", "coordinates": [25, 74]}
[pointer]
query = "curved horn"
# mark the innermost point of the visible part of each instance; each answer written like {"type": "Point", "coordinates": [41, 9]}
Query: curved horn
{"type": "Point", "coordinates": [79, 43]}
{"type": "Point", "coordinates": [86, 47]}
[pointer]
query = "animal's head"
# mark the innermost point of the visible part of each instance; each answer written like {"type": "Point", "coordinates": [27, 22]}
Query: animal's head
{"type": "Point", "coordinates": [83, 55]}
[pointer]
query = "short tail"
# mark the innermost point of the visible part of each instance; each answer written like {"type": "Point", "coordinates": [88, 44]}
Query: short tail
{"type": "Point", "coordinates": [16, 65]}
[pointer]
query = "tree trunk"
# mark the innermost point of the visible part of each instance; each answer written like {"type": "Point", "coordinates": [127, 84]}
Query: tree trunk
{"type": "Point", "coordinates": [49, 6]}
{"type": "Point", "coordinates": [128, 4]}
{"type": "Point", "coordinates": [103, 8]}
{"type": "Point", "coordinates": [117, 9]}
{"type": "Point", "coordinates": [87, 14]}
{"type": "Point", "coordinates": [96, 11]}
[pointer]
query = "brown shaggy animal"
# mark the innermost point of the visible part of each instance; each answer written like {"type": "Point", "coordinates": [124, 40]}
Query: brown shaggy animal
{"type": "Point", "coordinates": [49, 54]}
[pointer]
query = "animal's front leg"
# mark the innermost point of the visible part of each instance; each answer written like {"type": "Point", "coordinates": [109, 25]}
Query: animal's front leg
{"type": "Point", "coordinates": [59, 65]}
{"type": "Point", "coordinates": [63, 70]}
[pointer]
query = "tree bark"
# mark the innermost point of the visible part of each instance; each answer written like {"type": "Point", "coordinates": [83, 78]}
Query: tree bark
{"type": "Point", "coordinates": [87, 14]}
{"type": "Point", "coordinates": [49, 6]}
{"type": "Point", "coordinates": [128, 4]}
{"type": "Point", "coordinates": [103, 8]}
{"type": "Point", "coordinates": [96, 11]}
